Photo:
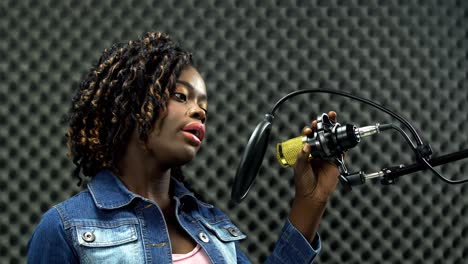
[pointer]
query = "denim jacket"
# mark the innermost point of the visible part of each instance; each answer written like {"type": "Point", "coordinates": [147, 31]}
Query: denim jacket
{"type": "Point", "coordinates": [106, 223]}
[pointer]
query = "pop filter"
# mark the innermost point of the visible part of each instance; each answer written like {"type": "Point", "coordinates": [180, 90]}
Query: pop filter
{"type": "Point", "coordinates": [251, 160]}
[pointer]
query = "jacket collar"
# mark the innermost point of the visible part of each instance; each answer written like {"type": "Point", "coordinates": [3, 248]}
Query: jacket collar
{"type": "Point", "coordinates": [109, 192]}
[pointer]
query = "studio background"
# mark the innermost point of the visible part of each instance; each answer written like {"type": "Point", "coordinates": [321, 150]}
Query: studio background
{"type": "Point", "coordinates": [410, 56]}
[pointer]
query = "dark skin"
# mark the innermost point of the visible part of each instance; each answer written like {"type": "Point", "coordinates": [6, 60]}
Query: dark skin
{"type": "Point", "coordinates": [314, 181]}
{"type": "Point", "coordinates": [145, 167]}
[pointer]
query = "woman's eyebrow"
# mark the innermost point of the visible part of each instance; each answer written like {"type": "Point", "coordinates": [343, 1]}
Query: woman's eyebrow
{"type": "Point", "coordinates": [188, 85]}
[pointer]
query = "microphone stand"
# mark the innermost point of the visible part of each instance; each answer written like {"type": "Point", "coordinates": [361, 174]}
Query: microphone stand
{"type": "Point", "coordinates": [255, 150]}
{"type": "Point", "coordinates": [391, 174]}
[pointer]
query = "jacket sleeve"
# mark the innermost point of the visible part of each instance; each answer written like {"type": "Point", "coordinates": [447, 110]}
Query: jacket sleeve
{"type": "Point", "coordinates": [292, 247]}
{"type": "Point", "coordinates": [48, 243]}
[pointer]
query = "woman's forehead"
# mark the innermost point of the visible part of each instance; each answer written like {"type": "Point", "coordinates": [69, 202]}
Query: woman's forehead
{"type": "Point", "coordinates": [191, 79]}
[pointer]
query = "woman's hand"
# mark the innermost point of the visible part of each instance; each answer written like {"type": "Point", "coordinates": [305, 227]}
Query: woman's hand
{"type": "Point", "coordinates": [315, 180]}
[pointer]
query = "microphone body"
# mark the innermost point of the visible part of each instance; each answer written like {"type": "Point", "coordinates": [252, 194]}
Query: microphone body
{"type": "Point", "coordinates": [325, 143]}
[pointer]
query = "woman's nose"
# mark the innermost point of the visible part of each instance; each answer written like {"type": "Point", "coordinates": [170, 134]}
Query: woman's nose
{"type": "Point", "coordinates": [198, 113]}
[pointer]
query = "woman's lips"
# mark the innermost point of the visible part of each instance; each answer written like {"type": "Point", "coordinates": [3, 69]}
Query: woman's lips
{"type": "Point", "coordinates": [195, 132]}
{"type": "Point", "coordinates": [193, 139]}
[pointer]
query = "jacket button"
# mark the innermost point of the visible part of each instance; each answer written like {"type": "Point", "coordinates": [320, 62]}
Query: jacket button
{"type": "Point", "coordinates": [234, 232]}
{"type": "Point", "coordinates": [203, 237]}
{"type": "Point", "coordinates": [88, 237]}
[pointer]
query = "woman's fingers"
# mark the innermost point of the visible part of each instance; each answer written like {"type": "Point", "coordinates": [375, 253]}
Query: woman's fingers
{"type": "Point", "coordinates": [332, 115]}
{"type": "Point", "coordinates": [306, 131]}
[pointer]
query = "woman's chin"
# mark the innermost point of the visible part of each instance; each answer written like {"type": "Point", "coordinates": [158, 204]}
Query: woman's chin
{"type": "Point", "coordinates": [187, 155]}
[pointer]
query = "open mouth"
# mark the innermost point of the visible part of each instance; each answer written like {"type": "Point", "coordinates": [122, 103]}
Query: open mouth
{"type": "Point", "coordinates": [195, 131]}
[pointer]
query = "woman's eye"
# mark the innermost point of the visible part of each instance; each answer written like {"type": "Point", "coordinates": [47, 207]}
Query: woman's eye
{"type": "Point", "coordinates": [180, 96]}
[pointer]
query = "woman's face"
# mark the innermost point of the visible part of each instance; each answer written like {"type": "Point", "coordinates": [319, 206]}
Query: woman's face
{"type": "Point", "coordinates": [179, 133]}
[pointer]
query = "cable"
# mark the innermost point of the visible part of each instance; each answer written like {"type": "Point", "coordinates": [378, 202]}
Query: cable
{"type": "Point", "coordinates": [363, 100]}
{"type": "Point", "coordinates": [418, 151]}
{"type": "Point", "coordinates": [424, 160]}
{"type": "Point", "coordinates": [403, 133]}
{"type": "Point", "coordinates": [426, 163]}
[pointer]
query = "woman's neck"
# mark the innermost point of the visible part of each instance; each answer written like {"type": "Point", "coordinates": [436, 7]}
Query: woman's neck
{"type": "Point", "coordinates": [143, 176]}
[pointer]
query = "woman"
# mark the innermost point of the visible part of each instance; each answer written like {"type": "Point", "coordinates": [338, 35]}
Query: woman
{"type": "Point", "coordinates": [136, 119]}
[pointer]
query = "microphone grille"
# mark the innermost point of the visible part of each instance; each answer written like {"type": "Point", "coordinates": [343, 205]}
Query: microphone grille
{"type": "Point", "coordinates": [287, 151]}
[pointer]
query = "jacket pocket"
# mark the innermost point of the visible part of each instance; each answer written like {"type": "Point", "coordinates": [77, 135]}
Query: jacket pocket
{"type": "Point", "coordinates": [93, 236]}
{"type": "Point", "coordinates": [108, 242]}
{"type": "Point", "coordinates": [225, 230]}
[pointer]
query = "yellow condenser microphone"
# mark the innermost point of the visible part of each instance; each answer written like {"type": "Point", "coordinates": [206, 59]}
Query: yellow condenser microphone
{"type": "Point", "coordinates": [325, 143]}
{"type": "Point", "coordinates": [287, 151]}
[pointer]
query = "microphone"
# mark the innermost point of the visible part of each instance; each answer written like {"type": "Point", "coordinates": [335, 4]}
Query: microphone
{"type": "Point", "coordinates": [325, 143]}
{"type": "Point", "coordinates": [252, 158]}
{"type": "Point", "coordinates": [329, 141]}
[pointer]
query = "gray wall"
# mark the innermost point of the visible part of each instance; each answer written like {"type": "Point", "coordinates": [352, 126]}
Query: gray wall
{"type": "Point", "coordinates": [410, 56]}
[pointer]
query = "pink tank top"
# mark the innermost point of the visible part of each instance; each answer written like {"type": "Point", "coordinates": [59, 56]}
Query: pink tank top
{"type": "Point", "coordinates": [197, 255]}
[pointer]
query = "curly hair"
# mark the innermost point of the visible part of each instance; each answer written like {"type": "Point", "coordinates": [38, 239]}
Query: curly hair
{"type": "Point", "coordinates": [127, 89]}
